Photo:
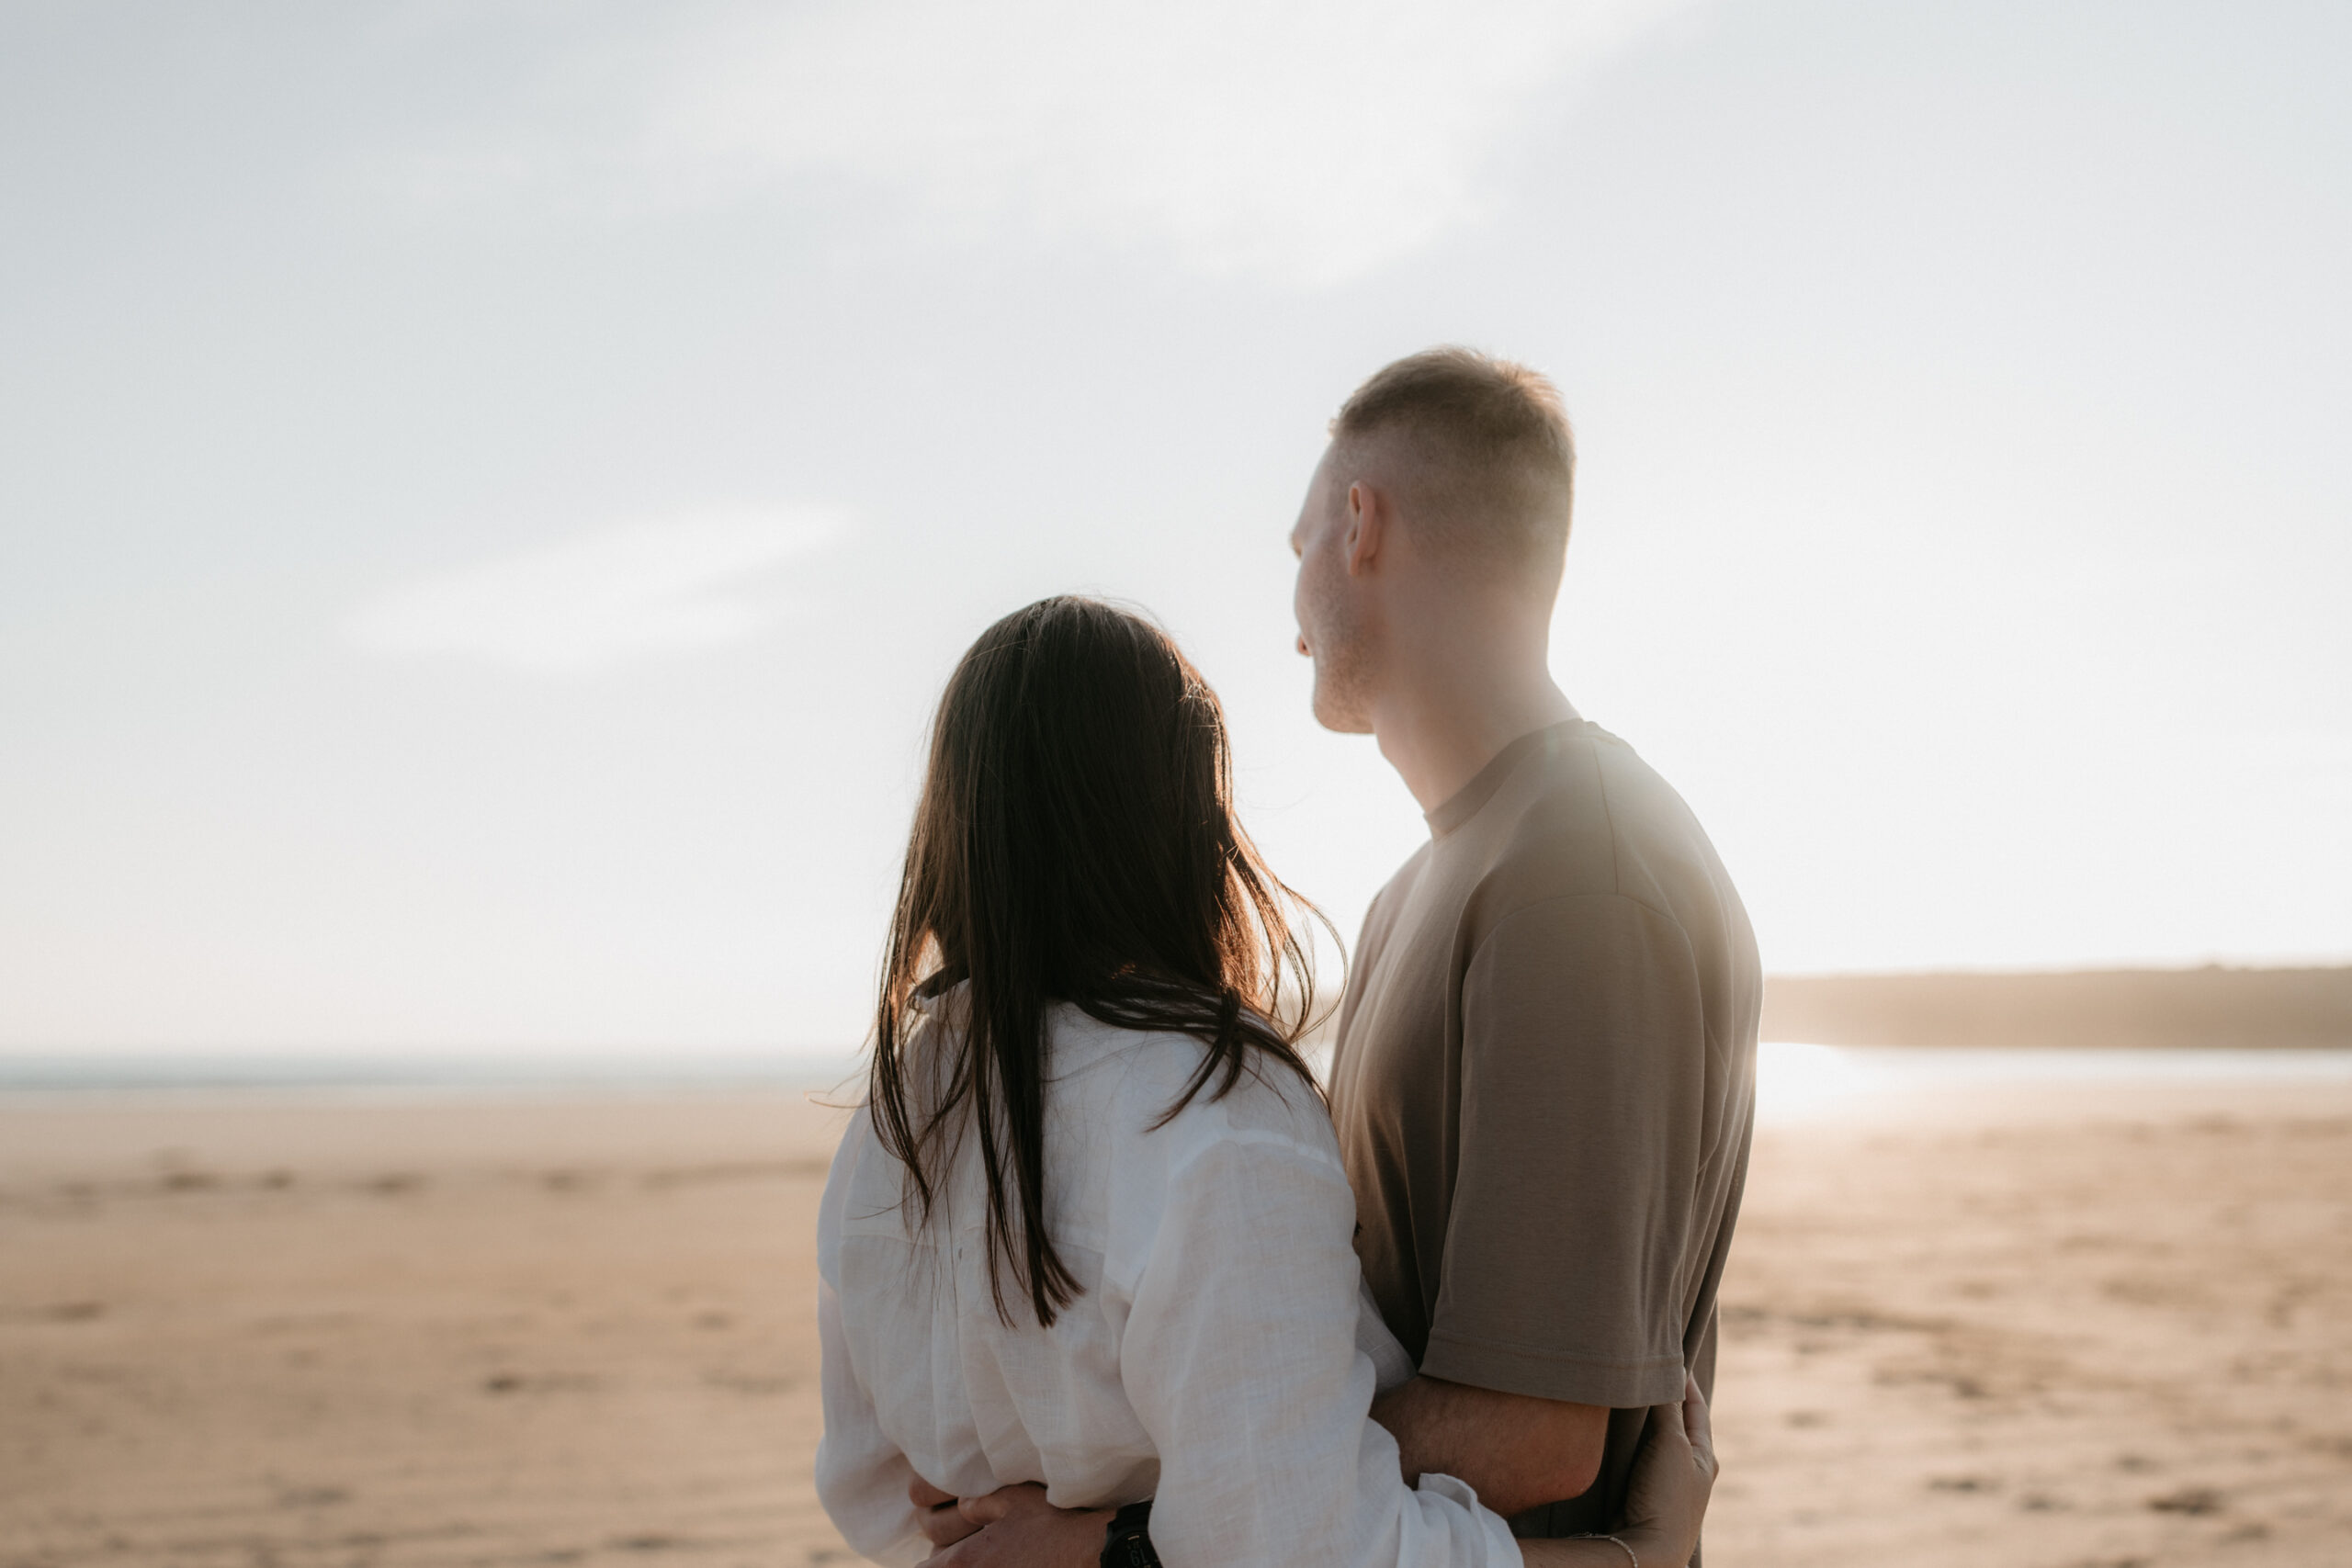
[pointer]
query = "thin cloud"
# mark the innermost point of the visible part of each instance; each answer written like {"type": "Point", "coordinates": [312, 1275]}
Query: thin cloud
{"type": "Point", "coordinates": [666, 586]}
{"type": "Point", "coordinates": [1302, 143]}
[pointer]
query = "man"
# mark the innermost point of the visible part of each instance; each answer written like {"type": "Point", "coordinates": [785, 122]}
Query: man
{"type": "Point", "coordinates": [1545, 1073]}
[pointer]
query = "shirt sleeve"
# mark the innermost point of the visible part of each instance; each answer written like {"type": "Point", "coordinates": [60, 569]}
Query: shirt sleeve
{"type": "Point", "coordinates": [1241, 1361]}
{"type": "Point", "coordinates": [862, 1477]}
{"type": "Point", "coordinates": [1580, 1138]}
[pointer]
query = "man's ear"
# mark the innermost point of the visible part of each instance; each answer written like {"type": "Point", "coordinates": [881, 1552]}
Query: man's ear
{"type": "Point", "coordinates": [1367, 521]}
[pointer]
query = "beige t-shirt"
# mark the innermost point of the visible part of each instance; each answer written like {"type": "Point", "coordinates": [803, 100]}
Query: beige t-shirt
{"type": "Point", "coordinates": [1544, 1088]}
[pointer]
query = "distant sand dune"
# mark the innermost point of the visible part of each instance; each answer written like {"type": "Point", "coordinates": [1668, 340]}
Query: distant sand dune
{"type": "Point", "coordinates": [2209, 1008]}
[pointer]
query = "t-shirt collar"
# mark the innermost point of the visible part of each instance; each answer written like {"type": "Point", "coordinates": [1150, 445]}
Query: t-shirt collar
{"type": "Point", "coordinates": [1464, 802]}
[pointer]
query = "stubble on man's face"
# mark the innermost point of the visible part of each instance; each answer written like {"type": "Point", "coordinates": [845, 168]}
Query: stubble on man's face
{"type": "Point", "coordinates": [1330, 626]}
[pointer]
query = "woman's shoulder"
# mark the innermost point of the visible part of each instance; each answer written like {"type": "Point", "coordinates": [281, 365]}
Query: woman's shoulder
{"type": "Point", "coordinates": [1197, 1158]}
{"type": "Point", "coordinates": [1141, 1078]}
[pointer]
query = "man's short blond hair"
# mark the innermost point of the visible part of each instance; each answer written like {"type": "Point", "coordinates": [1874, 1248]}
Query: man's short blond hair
{"type": "Point", "coordinates": [1479, 453]}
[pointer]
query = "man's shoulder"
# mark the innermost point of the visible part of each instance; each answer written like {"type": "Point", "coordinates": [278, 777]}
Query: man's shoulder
{"type": "Point", "coordinates": [1401, 880]}
{"type": "Point", "coordinates": [1592, 781]}
{"type": "Point", "coordinates": [1595, 821]}
{"type": "Point", "coordinates": [1382, 911]}
{"type": "Point", "coordinates": [1555, 829]}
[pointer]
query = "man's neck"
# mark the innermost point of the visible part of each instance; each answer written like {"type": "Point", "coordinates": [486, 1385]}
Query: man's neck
{"type": "Point", "coordinates": [1439, 733]}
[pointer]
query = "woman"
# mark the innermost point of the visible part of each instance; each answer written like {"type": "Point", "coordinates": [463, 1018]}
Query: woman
{"type": "Point", "coordinates": [1090, 1228]}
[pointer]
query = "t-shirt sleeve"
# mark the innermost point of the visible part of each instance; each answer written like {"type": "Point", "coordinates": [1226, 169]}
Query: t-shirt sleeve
{"type": "Point", "coordinates": [1583, 1077]}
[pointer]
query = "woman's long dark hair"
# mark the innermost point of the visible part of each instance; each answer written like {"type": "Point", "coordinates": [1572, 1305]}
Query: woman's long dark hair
{"type": "Point", "coordinates": [1075, 843]}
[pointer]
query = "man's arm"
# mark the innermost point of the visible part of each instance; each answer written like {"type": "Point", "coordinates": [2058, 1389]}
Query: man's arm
{"type": "Point", "coordinates": [1516, 1453]}
{"type": "Point", "coordinates": [1673, 1476]}
{"type": "Point", "coordinates": [1018, 1528]}
{"type": "Point", "coordinates": [1515, 1450]}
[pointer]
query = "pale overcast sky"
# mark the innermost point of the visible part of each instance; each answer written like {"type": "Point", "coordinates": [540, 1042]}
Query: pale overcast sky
{"type": "Point", "coordinates": [488, 493]}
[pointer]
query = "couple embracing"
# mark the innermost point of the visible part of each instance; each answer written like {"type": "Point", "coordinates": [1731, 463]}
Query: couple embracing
{"type": "Point", "coordinates": [1106, 1276]}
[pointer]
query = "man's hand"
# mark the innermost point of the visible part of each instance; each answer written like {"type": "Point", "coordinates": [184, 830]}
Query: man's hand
{"type": "Point", "coordinates": [1016, 1528]}
{"type": "Point", "coordinates": [1516, 1451]}
{"type": "Point", "coordinates": [941, 1521]}
{"type": "Point", "coordinates": [1673, 1476]}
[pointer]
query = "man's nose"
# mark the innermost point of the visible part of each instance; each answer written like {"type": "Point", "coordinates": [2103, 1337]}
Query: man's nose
{"type": "Point", "coordinates": [1301, 646]}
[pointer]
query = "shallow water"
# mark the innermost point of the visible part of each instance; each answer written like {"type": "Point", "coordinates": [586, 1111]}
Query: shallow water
{"type": "Point", "coordinates": [423, 1076]}
{"type": "Point", "coordinates": [1794, 1079]}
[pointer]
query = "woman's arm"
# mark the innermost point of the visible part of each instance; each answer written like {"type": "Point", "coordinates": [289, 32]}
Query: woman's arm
{"type": "Point", "coordinates": [1240, 1361]}
{"type": "Point", "coordinates": [861, 1478]}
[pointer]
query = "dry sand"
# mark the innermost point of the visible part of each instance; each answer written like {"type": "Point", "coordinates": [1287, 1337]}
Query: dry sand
{"type": "Point", "coordinates": [2095, 1330]}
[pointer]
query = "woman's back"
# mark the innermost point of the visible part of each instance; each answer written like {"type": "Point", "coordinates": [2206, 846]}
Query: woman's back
{"type": "Point", "coordinates": [1220, 1356]}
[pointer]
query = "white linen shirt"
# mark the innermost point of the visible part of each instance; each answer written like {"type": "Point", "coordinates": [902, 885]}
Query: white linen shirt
{"type": "Point", "coordinates": [1221, 1359]}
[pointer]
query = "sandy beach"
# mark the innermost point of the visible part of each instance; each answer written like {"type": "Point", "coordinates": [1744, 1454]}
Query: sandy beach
{"type": "Point", "coordinates": [2090, 1327]}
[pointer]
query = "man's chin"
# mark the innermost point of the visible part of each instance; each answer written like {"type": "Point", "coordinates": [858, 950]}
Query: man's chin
{"type": "Point", "coordinates": [1342, 719]}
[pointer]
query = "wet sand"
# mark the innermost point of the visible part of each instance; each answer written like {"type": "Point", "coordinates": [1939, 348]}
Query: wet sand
{"type": "Point", "coordinates": [2078, 1328]}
